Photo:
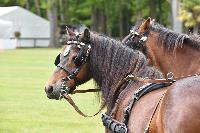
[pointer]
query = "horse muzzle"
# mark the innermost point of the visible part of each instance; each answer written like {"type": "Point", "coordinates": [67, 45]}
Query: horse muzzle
{"type": "Point", "coordinates": [52, 92]}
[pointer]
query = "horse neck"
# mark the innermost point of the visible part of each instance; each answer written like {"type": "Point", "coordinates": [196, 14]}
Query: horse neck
{"type": "Point", "coordinates": [181, 60]}
{"type": "Point", "coordinates": [110, 62]}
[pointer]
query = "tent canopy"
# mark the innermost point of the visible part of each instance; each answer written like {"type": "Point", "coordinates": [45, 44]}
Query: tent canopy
{"type": "Point", "coordinates": [33, 29]}
{"type": "Point", "coordinates": [6, 29]}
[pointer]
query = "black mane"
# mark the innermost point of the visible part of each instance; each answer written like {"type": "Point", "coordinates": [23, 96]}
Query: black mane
{"type": "Point", "coordinates": [172, 40]}
{"type": "Point", "coordinates": [111, 61]}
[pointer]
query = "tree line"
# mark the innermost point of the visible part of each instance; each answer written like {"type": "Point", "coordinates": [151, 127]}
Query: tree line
{"type": "Point", "coordinates": [112, 17]}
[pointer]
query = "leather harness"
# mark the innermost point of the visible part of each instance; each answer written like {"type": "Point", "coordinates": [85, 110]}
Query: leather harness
{"type": "Point", "coordinates": [122, 127]}
{"type": "Point", "coordinates": [108, 121]}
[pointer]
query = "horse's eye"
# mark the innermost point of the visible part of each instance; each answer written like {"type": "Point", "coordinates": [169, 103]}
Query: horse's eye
{"type": "Point", "coordinates": [74, 58]}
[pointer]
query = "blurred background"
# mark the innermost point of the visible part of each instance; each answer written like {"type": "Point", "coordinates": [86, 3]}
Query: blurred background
{"type": "Point", "coordinates": [113, 17]}
{"type": "Point", "coordinates": [31, 34]}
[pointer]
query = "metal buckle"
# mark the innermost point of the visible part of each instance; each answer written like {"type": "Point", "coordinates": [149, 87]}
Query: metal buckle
{"type": "Point", "coordinates": [143, 39]}
{"type": "Point", "coordinates": [64, 90]}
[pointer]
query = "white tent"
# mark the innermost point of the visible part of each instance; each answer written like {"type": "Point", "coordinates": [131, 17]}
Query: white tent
{"type": "Point", "coordinates": [34, 30]}
{"type": "Point", "coordinates": [6, 31]}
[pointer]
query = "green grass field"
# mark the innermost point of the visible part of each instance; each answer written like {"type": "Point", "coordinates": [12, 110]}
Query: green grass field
{"type": "Point", "coordinates": [24, 107]}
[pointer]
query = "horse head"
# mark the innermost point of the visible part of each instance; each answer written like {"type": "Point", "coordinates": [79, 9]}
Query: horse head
{"type": "Point", "coordinates": [71, 65]}
{"type": "Point", "coordinates": [138, 36]}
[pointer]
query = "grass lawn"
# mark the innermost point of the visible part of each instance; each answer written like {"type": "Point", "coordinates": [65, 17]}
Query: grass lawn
{"type": "Point", "coordinates": [24, 107]}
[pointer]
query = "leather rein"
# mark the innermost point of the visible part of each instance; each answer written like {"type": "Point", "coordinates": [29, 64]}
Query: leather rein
{"type": "Point", "coordinates": [65, 91]}
{"type": "Point", "coordinates": [110, 123]}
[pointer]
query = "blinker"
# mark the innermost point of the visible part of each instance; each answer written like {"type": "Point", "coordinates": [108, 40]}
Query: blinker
{"type": "Point", "coordinates": [57, 60]}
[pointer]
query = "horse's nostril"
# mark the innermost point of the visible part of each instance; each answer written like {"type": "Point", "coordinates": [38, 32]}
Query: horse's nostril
{"type": "Point", "coordinates": [50, 89]}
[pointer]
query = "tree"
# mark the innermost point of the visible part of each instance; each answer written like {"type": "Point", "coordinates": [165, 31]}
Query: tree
{"type": "Point", "coordinates": [52, 15]}
{"type": "Point", "coordinates": [112, 17]}
{"type": "Point", "coordinates": [98, 18]}
{"type": "Point", "coordinates": [24, 3]}
{"type": "Point", "coordinates": [174, 8]}
{"type": "Point", "coordinates": [63, 12]}
{"type": "Point", "coordinates": [190, 14]}
{"type": "Point", "coordinates": [37, 6]}
{"type": "Point", "coordinates": [156, 9]}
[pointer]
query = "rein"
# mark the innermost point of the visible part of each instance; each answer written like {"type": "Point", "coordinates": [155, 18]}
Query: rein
{"type": "Point", "coordinates": [85, 91]}
{"type": "Point", "coordinates": [127, 78]}
{"type": "Point", "coordinates": [72, 76]}
{"type": "Point", "coordinates": [146, 80]}
{"type": "Point", "coordinates": [65, 91]}
{"type": "Point", "coordinates": [108, 121]}
{"type": "Point", "coordinates": [169, 79]}
{"type": "Point", "coordinates": [149, 85]}
{"type": "Point", "coordinates": [72, 103]}
{"type": "Point", "coordinates": [122, 127]}
{"type": "Point", "coordinates": [79, 62]}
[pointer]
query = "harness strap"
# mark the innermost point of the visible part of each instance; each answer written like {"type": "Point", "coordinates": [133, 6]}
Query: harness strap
{"type": "Point", "coordinates": [147, 80]}
{"type": "Point", "coordinates": [143, 80]}
{"type": "Point", "coordinates": [198, 74]}
{"type": "Point", "coordinates": [119, 85]}
{"type": "Point", "coordinates": [147, 129]}
{"type": "Point", "coordinates": [138, 94]}
{"type": "Point", "coordinates": [122, 127]}
{"type": "Point", "coordinates": [113, 124]}
{"type": "Point", "coordinates": [169, 79]}
{"type": "Point", "coordinates": [85, 91]}
{"type": "Point", "coordinates": [69, 99]}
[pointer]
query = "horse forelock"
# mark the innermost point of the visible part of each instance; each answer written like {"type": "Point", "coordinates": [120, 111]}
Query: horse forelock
{"type": "Point", "coordinates": [111, 61]}
{"type": "Point", "coordinates": [171, 40]}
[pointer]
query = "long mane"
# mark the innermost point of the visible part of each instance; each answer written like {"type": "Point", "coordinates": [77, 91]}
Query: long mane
{"type": "Point", "coordinates": [111, 61]}
{"type": "Point", "coordinates": [172, 40]}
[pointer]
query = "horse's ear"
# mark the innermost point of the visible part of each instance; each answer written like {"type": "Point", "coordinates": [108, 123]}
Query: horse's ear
{"type": "Point", "coordinates": [86, 35]}
{"type": "Point", "coordinates": [69, 32]}
{"type": "Point", "coordinates": [146, 25]}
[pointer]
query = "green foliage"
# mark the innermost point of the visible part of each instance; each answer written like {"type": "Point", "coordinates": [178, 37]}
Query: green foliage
{"type": "Point", "coordinates": [190, 12]}
{"type": "Point", "coordinates": [22, 2]}
{"type": "Point", "coordinates": [141, 9]}
{"type": "Point", "coordinates": [80, 11]}
{"type": "Point", "coordinates": [8, 3]}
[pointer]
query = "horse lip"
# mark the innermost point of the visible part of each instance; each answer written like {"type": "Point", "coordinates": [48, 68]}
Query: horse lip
{"type": "Point", "coordinates": [52, 96]}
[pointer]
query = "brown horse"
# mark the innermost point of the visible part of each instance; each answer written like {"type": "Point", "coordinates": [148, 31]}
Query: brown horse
{"type": "Point", "coordinates": [178, 106]}
{"type": "Point", "coordinates": [167, 50]}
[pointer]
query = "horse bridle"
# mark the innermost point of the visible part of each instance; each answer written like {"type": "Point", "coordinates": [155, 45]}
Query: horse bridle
{"type": "Point", "coordinates": [79, 62]}
{"type": "Point", "coordinates": [142, 39]}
